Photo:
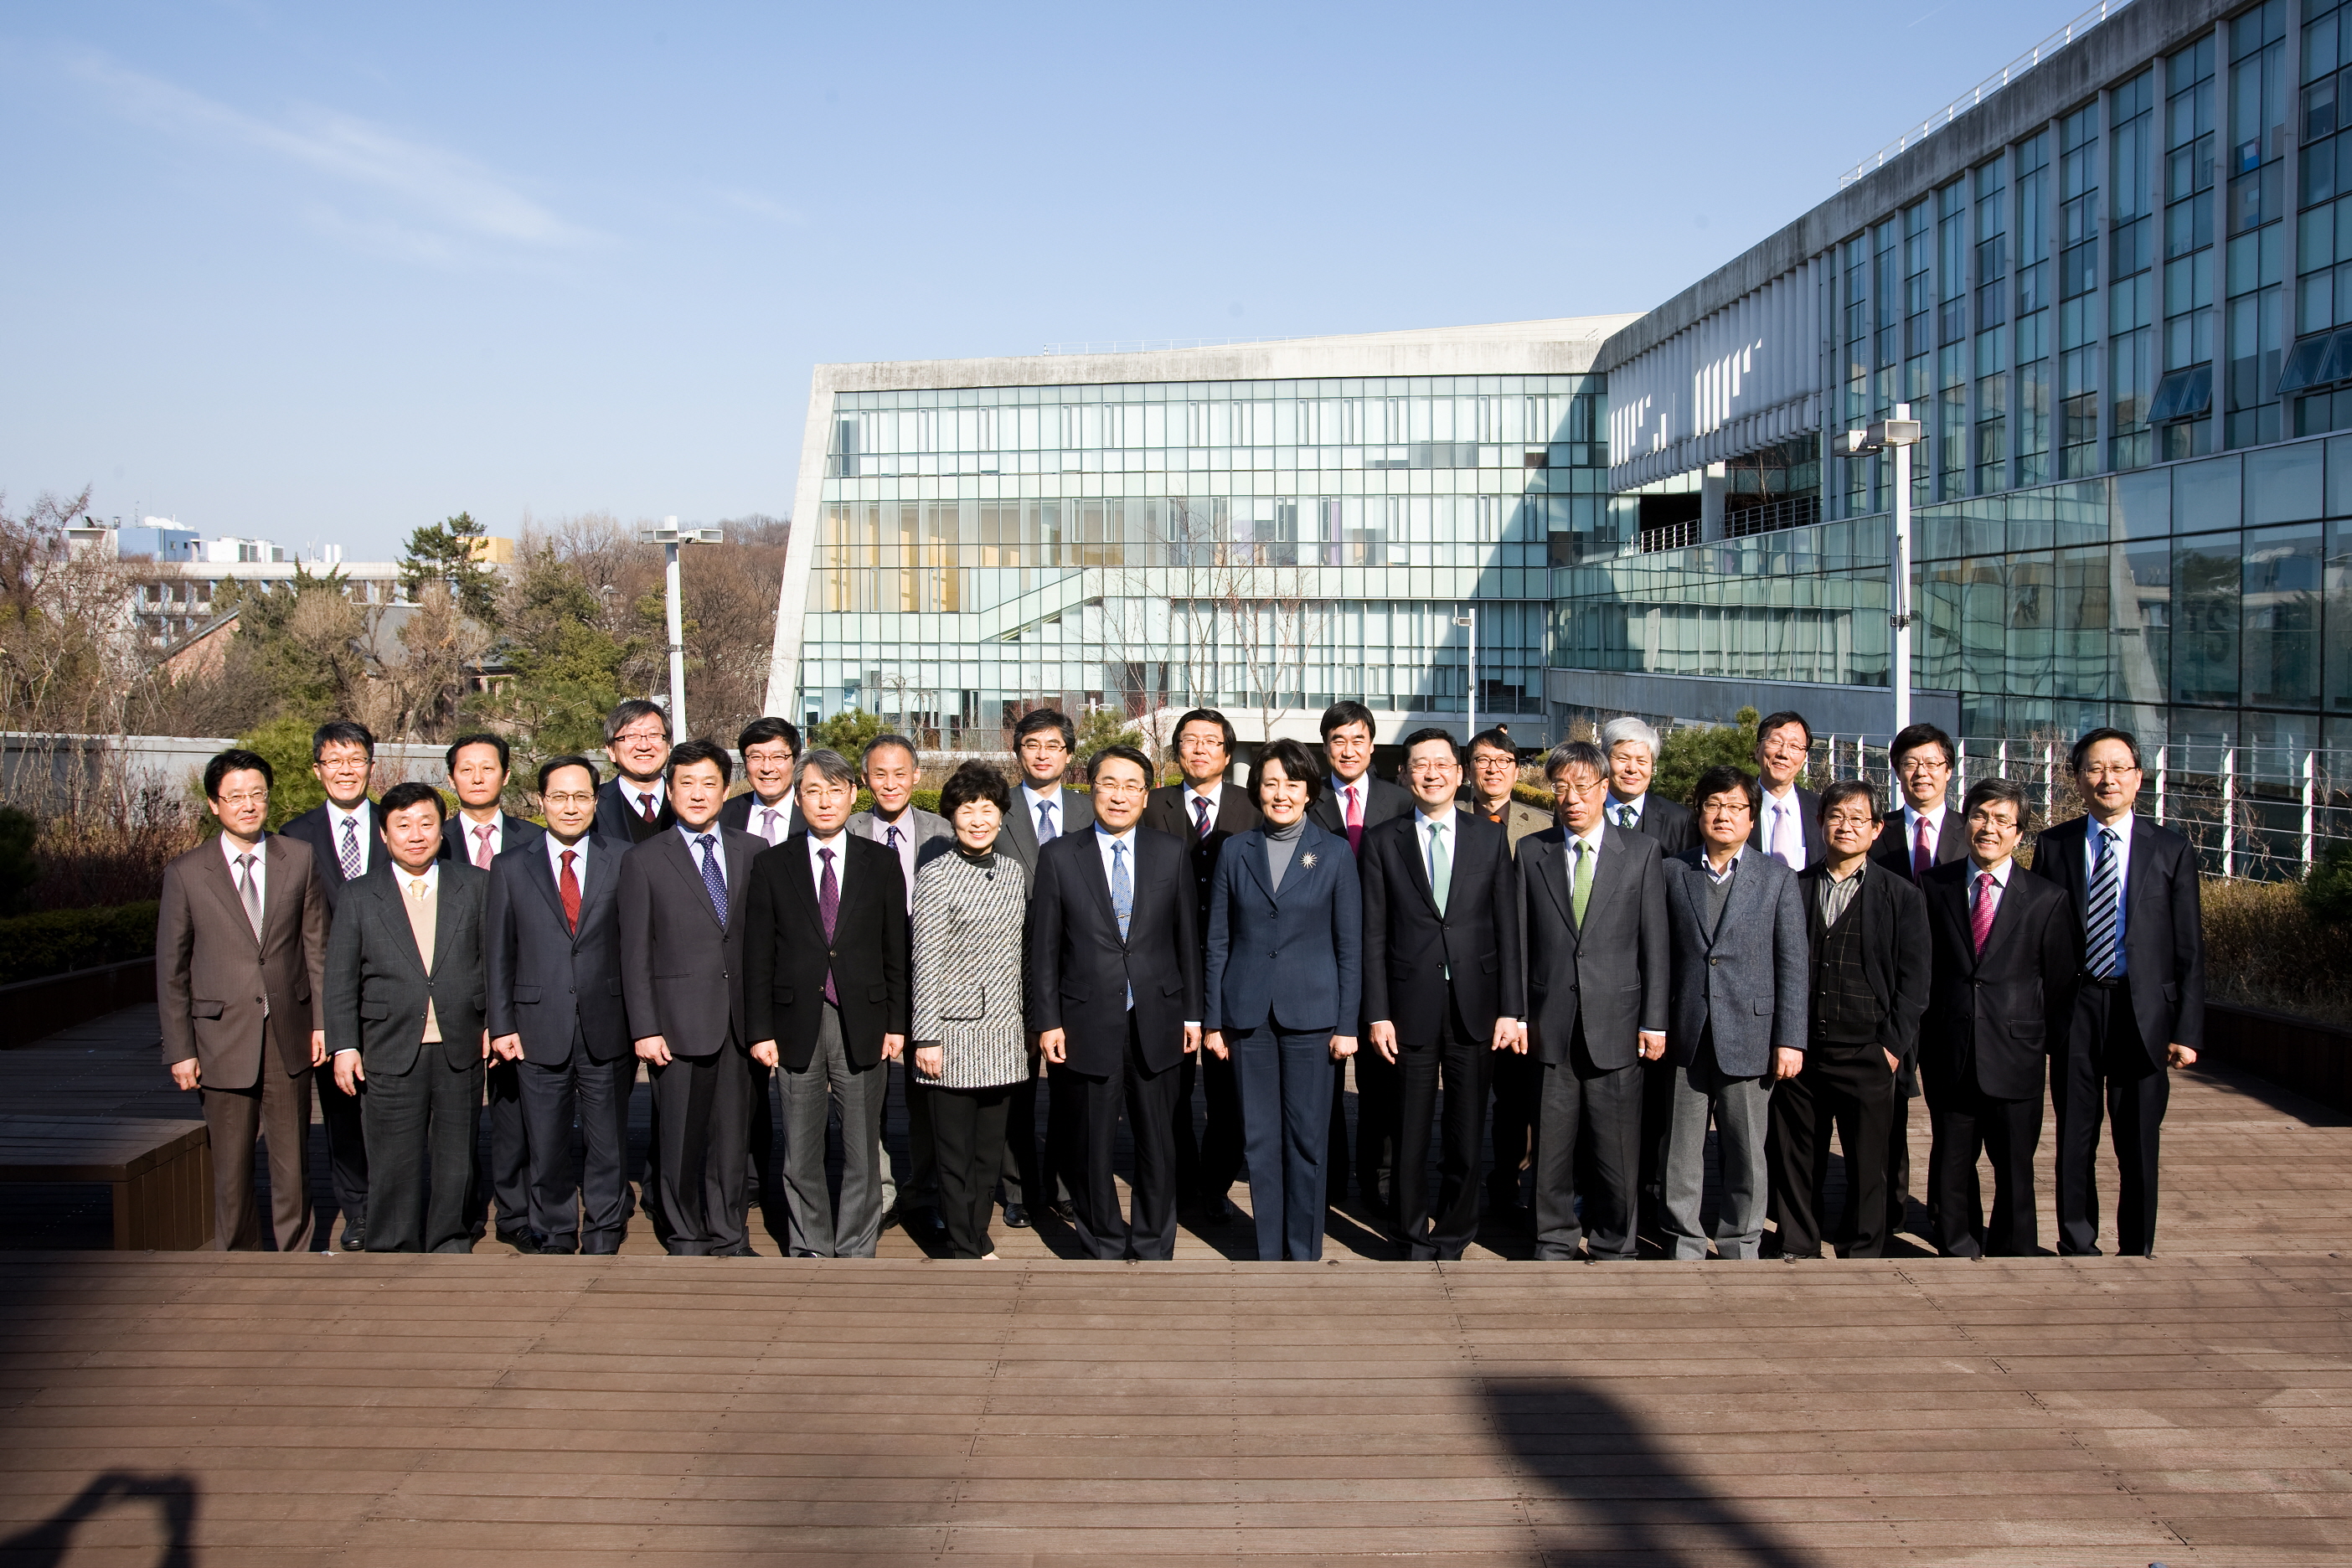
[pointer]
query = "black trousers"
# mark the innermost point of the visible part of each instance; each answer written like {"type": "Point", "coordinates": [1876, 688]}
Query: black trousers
{"type": "Point", "coordinates": [1967, 1121]}
{"type": "Point", "coordinates": [1379, 1126]}
{"type": "Point", "coordinates": [921, 1188]}
{"type": "Point", "coordinates": [347, 1159]}
{"type": "Point", "coordinates": [1148, 1100]}
{"type": "Point", "coordinates": [502, 1175]}
{"type": "Point", "coordinates": [1037, 1169]}
{"type": "Point", "coordinates": [1518, 1090]}
{"type": "Point", "coordinates": [1597, 1110]}
{"type": "Point", "coordinates": [760, 1182]}
{"type": "Point", "coordinates": [421, 1132]}
{"type": "Point", "coordinates": [700, 1107]}
{"type": "Point", "coordinates": [1209, 1165]}
{"type": "Point", "coordinates": [578, 1201]}
{"type": "Point", "coordinates": [1460, 1064]}
{"type": "Point", "coordinates": [1657, 1118]}
{"type": "Point", "coordinates": [1852, 1086]}
{"type": "Point", "coordinates": [1898, 1166]}
{"type": "Point", "coordinates": [967, 1144]}
{"type": "Point", "coordinates": [2107, 1068]}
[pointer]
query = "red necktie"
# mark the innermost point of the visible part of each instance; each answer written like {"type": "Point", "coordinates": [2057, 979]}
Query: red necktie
{"type": "Point", "coordinates": [568, 886]}
{"type": "Point", "coordinates": [1355, 821]}
{"type": "Point", "coordinates": [1980, 918]}
{"type": "Point", "coordinates": [1923, 854]}
{"type": "Point", "coordinates": [647, 801]}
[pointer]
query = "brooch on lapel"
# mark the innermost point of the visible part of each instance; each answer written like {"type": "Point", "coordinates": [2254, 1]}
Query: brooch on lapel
{"type": "Point", "coordinates": [1306, 860]}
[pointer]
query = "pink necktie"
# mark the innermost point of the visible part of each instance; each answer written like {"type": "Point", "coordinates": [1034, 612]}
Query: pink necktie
{"type": "Point", "coordinates": [1780, 815]}
{"type": "Point", "coordinates": [767, 823]}
{"type": "Point", "coordinates": [1355, 821]}
{"type": "Point", "coordinates": [482, 847]}
{"type": "Point", "coordinates": [1980, 918]}
{"type": "Point", "coordinates": [1923, 854]}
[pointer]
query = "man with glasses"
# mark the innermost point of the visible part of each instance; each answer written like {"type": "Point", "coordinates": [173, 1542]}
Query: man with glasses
{"type": "Point", "coordinates": [1593, 908]}
{"type": "Point", "coordinates": [2139, 1011]}
{"type": "Point", "coordinates": [1918, 835]}
{"type": "Point", "coordinates": [769, 811]}
{"type": "Point", "coordinates": [346, 836]}
{"type": "Point", "coordinates": [1204, 811]}
{"type": "Point", "coordinates": [633, 806]}
{"type": "Point", "coordinates": [1494, 770]}
{"type": "Point", "coordinates": [1788, 816]}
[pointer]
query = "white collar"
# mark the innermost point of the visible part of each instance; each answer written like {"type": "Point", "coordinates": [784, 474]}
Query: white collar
{"type": "Point", "coordinates": [358, 814]}
{"type": "Point", "coordinates": [471, 829]}
{"type": "Point", "coordinates": [1124, 837]}
{"type": "Point", "coordinates": [1912, 815]}
{"type": "Point", "coordinates": [1426, 821]}
{"type": "Point", "coordinates": [1052, 793]}
{"type": "Point", "coordinates": [2000, 873]}
{"type": "Point", "coordinates": [260, 852]}
{"type": "Point", "coordinates": [404, 876]}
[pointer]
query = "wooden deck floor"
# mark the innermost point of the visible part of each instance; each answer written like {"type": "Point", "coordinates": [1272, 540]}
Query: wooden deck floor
{"type": "Point", "coordinates": [504, 1411]}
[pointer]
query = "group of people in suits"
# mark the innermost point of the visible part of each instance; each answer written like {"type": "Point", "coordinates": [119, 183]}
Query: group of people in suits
{"type": "Point", "coordinates": [1591, 990]}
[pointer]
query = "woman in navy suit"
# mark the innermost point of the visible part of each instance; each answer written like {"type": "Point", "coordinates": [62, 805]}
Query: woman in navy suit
{"type": "Point", "coordinates": [1285, 970]}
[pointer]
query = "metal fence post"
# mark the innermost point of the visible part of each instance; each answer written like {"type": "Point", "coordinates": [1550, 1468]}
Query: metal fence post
{"type": "Point", "coordinates": [1960, 767]}
{"type": "Point", "coordinates": [2162, 752]}
{"type": "Point", "coordinates": [2310, 811]}
{"type": "Point", "coordinates": [2000, 759]}
{"type": "Point", "coordinates": [2049, 779]}
{"type": "Point", "coordinates": [2228, 810]}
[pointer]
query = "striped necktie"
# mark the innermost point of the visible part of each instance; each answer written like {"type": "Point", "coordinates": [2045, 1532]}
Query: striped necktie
{"type": "Point", "coordinates": [2103, 909]}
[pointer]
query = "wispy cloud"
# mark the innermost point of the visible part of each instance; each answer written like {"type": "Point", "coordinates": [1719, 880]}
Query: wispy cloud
{"type": "Point", "coordinates": [442, 204]}
{"type": "Point", "coordinates": [758, 205]}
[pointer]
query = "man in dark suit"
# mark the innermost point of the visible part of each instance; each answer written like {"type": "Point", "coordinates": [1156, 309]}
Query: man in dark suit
{"type": "Point", "coordinates": [890, 767]}
{"type": "Point", "coordinates": [346, 840]}
{"type": "Point", "coordinates": [771, 749]}
{"type": "Point", "coordinates": [2139, 1012]}
{"type": "Point", "coordinates": [1204, 811]}
{"type": "Point", "coordinates": [1868, 952]}
{"type": "Point", "coordinates": [240, 955]}
{"type": "Point", "coordinates": [1494, 771]}
{"type": "Point", "coordinates": [479, 834]}
{"type": "Point", "coordinates": [829, 1002]}
{"type": "Point", "coordinates": [1359, 799]}
{"type": "Point", "coordinates": [1042, 810]}
{"type": "Point", "coordinates": [1923, 833]}
{"type": "Point", "coordinates": [1632, 747]}
{"type": "Point", "coordinates": [1442, 983]}
{"type": "Point", "coordinates": [633, 804]}
{"type": "Point", "coordinates": [682, 919]}
{"type": "Point", "coordinates": [1788, 818]}
{"type": "Point", "coordinates": [2005, 957]}
{"type": "Point", "coordinates": [557, 1019]}
{"type": "Point", "coordinates": [1115, 990]}
{"type": "Point", "coordinates": [1593, 915]}
{"type": "Point", "coordinates": [404, 995]}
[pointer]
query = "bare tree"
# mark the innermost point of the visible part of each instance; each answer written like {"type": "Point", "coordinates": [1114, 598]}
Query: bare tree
{"type": "Point", "coordinates": [71, 648]}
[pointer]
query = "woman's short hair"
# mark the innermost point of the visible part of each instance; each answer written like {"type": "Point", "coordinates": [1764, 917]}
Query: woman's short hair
{"type": "Point", "coordinates": [1297, 762]}
{"type": "Point", "coordinates": [975, 780]}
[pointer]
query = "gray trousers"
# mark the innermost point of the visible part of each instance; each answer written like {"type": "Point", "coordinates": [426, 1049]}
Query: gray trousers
{"type": "Point", "coordinates": [1742, 1108]}
{"type": "Point", "coordinates": [1584, 1108]}
{"type": "Point", "coordinates": [817, 1230]}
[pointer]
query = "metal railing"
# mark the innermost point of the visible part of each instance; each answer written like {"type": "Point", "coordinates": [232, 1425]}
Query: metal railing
{"type": "Point", "coordinates": [1770, 517]}
{"type": "Point", "coordinates": [2263, 813]}
{"type": "Point", "coordinates": [1984, 90]}
{"type": "Point", "coordinates": [1667, 536]}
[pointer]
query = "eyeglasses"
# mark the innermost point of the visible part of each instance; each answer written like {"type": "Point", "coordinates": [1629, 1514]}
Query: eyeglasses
{"type": "Point", "coordinates": [584, 798]}
{"type": "Point", "coordinates": [260, 798]}
{"type": "Point", "coordinates": [1922, 765]}
{"type": "Point", "coordinates": [639, 735]}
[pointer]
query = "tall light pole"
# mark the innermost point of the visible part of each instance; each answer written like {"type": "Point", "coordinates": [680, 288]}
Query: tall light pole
{"type": "Point", "coordinates": [1897, 435]}
{"type": "Point", "coordinates": [1470, 723]}
{"type": "Point", "coordinates": [669, 536]}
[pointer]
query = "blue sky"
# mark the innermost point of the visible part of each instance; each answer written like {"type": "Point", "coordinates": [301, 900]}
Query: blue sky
{"type": "Point", "coordinates": [321, 274]}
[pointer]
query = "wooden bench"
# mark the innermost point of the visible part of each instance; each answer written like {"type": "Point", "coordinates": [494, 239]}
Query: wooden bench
{"type": "Point", "coordinates": [162, 1172]}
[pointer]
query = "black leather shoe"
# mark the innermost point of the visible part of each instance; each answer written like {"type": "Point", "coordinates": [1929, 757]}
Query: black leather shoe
{"type": "Point", "coordinates": [523, 1241]}
{"type": "Point", "coordinates": [354, 1239]}
{"type": "Point", "coordinates": [1016, 1216]}
{"type": "Point", "coordinates": [1063, 1212]}
{"type": "Point", "coordinates": [554, 1248]}
{"type": "Point", "coordinates": [1215, 1210]}
{"type": "Point", "coordinates": [927, 1222]}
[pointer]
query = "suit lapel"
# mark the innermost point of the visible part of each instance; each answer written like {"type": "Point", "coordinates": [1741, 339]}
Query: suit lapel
{"type": "Point", "coordinates": [739, 875]}
{"type": "Point", "coordinates": [223, 883]}
{"type": "Point", "coordinates": [1608, 869]}
{"type": "Point", "coordinates": [1544, 869]}
{"type": "Point", "coordinates": [1692, 891]}
{"type": "Point", "coordinates": [543, 877]}
{"type": "Point", "coordinates": [1097, 878]}
{"type": "Point", "coordinates": [1416, 848]}
{"type": "Point", "coordinates": [2004, 915]}
{"type": "Point", "coordinates": [392, 901]}
{"type": "Point", "coordinates": [681, 856]}
{"type": "Point", "coordinates": [1744, 892]}
{"type": "Point", "coordinates": [1255, 858]}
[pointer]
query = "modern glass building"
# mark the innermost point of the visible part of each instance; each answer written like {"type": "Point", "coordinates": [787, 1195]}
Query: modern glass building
{"type": "Point", "coordinates": [2110, 292]}
{"type": "Point", "coordinates": [1265, 528]}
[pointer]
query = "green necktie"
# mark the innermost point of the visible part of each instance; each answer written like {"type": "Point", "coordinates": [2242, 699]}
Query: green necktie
{"type": "Point", "coordinates": [1581, 889]}
{"type": "Point", "coordinates": [1441, 867]}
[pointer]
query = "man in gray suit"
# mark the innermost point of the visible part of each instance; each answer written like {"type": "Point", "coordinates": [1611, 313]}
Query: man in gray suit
{"type": "Point", "coordinates": [1593, 915]}
{"type": "Point", "coordinates": [682, 897]}
{"type": "Point", "coordinates": [1041, 743]}
{"type": "Point", "coordinates": [917, 838]}
{"type": "Point", "coordinates": [1742, 973]}
{"type": "Point", "coordinates": [405, 1003]}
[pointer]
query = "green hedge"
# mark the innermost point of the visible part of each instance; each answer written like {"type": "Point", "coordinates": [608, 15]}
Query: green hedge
{"type": "Point", "coordinates": [56, 940]}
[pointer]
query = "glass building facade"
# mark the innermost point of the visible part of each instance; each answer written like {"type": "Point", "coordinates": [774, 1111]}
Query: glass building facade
{"type": "Point", "coordinates": [1266, 547]}
{"type": "Point", "coordinates": [2115, 297]}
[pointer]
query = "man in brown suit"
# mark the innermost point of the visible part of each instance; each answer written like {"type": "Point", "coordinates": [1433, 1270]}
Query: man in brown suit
{"type": "Point", "coordinates": [240, 950]}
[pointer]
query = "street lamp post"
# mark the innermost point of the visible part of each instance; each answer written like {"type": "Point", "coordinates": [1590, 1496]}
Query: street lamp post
{"type": "Point", "coordinates": [669, 536]}
{"type": "Point", "coordinates": [1897, 435]}
{"type": "Point", "coordinates": [1470, 726]}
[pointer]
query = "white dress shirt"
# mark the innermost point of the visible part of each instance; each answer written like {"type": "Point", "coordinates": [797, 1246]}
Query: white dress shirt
{"type": "Point", "coordinates": [1030, 799]}
{"type": "Point", "coordinates": [634, 796]}
{"type": "Point", "coordinates": [260, 853]}
{"type": "Point", "coordinates": [1934, 829]}
{"type": "Point", "coordinates": [839, 844]}
{"type": "Point", "coordinates": [2123, 829]}
{"type": "Point", "coordinates": [363, 832]}
{"type": "Point", "coordinates": [556, 851]}
{"type": "Point", "coordinates": [2000, 884]}
{"type": "Point", "coordinates": [1615, 808]}
{"type": "Point", "coordinates": [471, 831]}
{"type": "Point", "coordinates": [717, 836]}
{"type": "Point", "coordinates": [1778, 809]}
{"type": "Point", "coordinates": [1214, 794]}
{"type": "Point", "coordinates": [1358, 790]}
{"type": "Point", "coordinates": [771, 823]}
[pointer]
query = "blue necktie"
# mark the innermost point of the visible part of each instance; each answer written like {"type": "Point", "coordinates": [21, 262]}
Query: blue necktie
{"type": "Point", "coordinates": [713, 877]}
{"type": "Point", "coordinates": [1045, 830]}
{"type": "Point", "coordinates": [1122, 898]}
{"type": "Point", "coordinates": [2104, 909]}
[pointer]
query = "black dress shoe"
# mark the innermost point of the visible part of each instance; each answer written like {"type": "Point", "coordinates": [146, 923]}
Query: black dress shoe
{"type": "Point", "coordinates": [1063, 1212]}
{"type": "Point", "coordinates": [925, 1221]}
{"type": "Point", "coordinates": [1016, 1216]}
{"type": "Point", "coordinates": [354, 1239]}
{"type": "Point", "coordinates": [523, 1241]}
{"type": "Point", "coordinates": [1214, 1209]}
{"type": "Point", "coordinates": [552, 1248]}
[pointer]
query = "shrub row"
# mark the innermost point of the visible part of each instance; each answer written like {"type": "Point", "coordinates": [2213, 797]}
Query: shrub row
{"type": "Point", "coordinates": [56, 940]}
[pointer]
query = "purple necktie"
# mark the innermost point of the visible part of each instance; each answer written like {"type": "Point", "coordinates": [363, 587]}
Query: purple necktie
{"type": "Point", "coordinates": [828, 908]}
{"type": "Point", "coordinates": [714, 879]}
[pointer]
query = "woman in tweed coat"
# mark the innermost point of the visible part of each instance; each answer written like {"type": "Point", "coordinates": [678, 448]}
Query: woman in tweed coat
{"type": "Point", "coordinates": [967, 1036]}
